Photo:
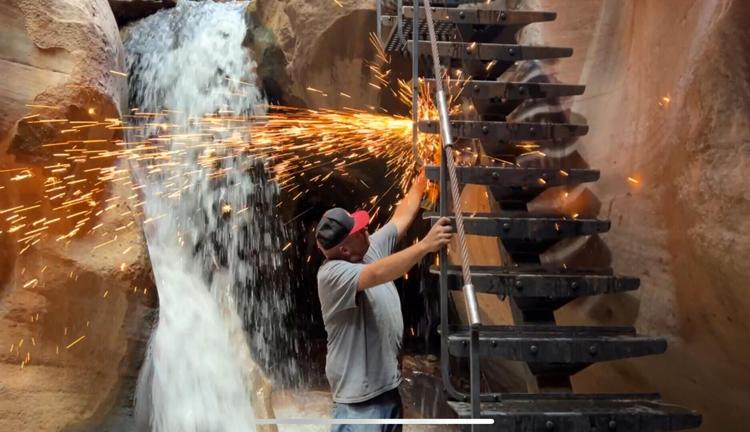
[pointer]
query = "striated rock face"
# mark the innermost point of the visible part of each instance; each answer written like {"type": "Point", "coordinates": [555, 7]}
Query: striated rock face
{"type": "Point", "coordinates": [103, 298]}
{"type": "Point", "coordinates": [55, 61]}
{"type": "Point", "coordinates": [668, 102]}
{"type": "Point", "coordinates": [71, 308]}
{"type": "Point", "coordinates": [301, 44]}
{"type": "Point", "coordinates": [57, 56]}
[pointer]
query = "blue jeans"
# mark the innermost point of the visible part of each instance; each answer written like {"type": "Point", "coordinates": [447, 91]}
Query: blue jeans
{"type": "Point", "coordinates": [384, 406]}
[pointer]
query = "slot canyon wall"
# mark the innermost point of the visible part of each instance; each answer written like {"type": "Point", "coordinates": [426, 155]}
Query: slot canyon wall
{"type": "Point", "coordinates": [73, 311]}
{"type": "Point", "coordinates": [302, 44]}
{"type": "Point", "coordinates": [668, 103]}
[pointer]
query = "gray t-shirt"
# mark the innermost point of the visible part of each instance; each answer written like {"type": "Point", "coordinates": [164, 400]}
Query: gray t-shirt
{"type": "Point", "coordinates": [364, 327]}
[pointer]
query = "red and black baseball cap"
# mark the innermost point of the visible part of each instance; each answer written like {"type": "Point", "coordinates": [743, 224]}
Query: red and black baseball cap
{"type": "Point", "coordinates": [337, 224]}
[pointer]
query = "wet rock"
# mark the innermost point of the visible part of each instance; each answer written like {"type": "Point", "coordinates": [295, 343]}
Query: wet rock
{"type": "Point", "coordinates": [126, 11]}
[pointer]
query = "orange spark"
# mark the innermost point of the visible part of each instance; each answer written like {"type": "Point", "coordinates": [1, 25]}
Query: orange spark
{"type": "Point", "coordinates": [75, 342]}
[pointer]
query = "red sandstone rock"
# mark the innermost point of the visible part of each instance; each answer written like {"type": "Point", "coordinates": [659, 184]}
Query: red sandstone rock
{"type": "Point", "coordinates": [319, 45]}
{"type": "Point", "coordinates": [667, 100]}
{"type": "Point", "coordinates": [73, 310]}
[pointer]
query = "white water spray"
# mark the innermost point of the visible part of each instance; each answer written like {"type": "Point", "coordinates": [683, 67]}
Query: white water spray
{"type": "Point", "coordinates": [190, 60]}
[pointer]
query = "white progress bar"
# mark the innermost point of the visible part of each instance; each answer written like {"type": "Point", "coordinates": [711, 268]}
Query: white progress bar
{"type": "Point", "coordinates": [325, 421]}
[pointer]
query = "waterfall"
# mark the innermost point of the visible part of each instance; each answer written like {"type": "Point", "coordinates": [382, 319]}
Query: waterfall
{"type": "Point", "coordinates": [213, 237]}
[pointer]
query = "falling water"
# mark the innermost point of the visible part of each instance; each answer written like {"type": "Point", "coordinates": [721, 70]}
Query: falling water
{"type": "Point", "coordinates": [213, 238]}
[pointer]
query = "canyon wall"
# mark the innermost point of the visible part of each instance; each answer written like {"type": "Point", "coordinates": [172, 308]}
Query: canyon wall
{"type": "Point", "coordinates": [668, 103]}
{"type": "Point", "coordinates": [301, 45]}
{"type": "Point", "coordinates": [72, 308]}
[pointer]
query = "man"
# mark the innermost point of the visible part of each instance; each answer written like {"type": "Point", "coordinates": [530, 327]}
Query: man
{"type": "Point", "coordinates": [362, 310]}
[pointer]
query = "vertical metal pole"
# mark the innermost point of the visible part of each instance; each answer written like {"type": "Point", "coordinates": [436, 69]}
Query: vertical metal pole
{"type": "Point", "coordinates": [443, 257]}
{"type": "Point", "coordinates": [379, 24]}
{"type": "Point", "coordinates": [400, 21]}
{"type": "Point", "coordinates": [448, 164]}
{"type": "Point", "coordinates": [415, 79]}
{"type": "Point", "coordinates": [474, 375]}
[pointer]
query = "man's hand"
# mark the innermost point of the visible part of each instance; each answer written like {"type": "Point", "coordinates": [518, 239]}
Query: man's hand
{"type": "Point", "coordinates": [393, 266]}
{"type": "Point", "coordinates": [439, 236]}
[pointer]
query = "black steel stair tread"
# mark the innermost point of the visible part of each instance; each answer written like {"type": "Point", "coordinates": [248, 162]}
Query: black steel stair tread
{"type": "Point", "coordinates": [538, 282]}
{"type": "Point", "coordinates": [518, 215]}
{"type": "Point", "coordinates": [575, 415]}
{"type": "Point", "coordinates": [546, 330]}
{"type": "Point", "coordinates": [530, 270]}
{"type": "Point", "coordinates": [492, 51]}
{"type": "Point", "coordinates": [507, 131]}
{"type": "Point", "coordinates": [505, 396]}
{"type": "Point", "coordinates": [529, 397]}
{"type": "Point", "coordinates": [488, 89]}
{"type": "Point", "coordinates": [440, 3]}
{"type": "Point", "coordinates": [575, 348]}
{"type": "Point", "coordinates": [443, 31]}
{"type": "Point", "coordinates": [492, 17]}
{"type": "Point", "coordinates": [527, 227]}
{"type": "Point", "coordinates": [513, 176]}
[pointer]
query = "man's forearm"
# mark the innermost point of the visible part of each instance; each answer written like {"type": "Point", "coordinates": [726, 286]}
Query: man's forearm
{"type": "Point", "coordinates": [391, 267]}
{"type": "Point", "coordinates": [408, 208]}
{"type": "Point", "coordinates": [410, 204]}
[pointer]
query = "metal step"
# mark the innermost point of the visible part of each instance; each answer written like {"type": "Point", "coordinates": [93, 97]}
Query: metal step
{"type": "Point", "coordinates": [490, 17]}
{"type": "Point", "coordinates": [514, 176]}
{"type": "Point", "coordinates": [498, 99]}
{"type": "Point", "coordinates": [558, 345]}
{"type": "Point", "coordinates": [497, 91]}
{"type": "Point", "coordinates": [536, 282]}
{"type": "Point", "coordinates": [505, 132]}
{"type": "Point", "coordinates": [527, 227]}
{"type": "Point", "coordinates": [582, 415]}
{"type": "Point", "coordinates": [443, 31]}
{"type": "Point", "coordinates": [441, 3]}
{"type": "Point", "coordinates": [481, 25]}
{"type": "Point", "coordinates": [492, 51]}
{"type": "Point", "coordinates": [506, 396]}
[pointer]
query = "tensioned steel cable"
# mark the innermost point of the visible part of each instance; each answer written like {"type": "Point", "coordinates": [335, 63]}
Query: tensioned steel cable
{"type": "Point", "coordinates": [451, 164]}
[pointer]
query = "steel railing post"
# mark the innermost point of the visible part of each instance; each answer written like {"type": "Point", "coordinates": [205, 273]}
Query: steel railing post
{"type": "Point", "coordinates": [378, 23]}
{"type": "Point", "coordinates": [415, 82]}
{"type": "Point", "coordinates": [448, 164]}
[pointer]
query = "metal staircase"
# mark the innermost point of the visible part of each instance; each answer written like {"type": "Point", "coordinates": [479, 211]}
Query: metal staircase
{"type": "Point", "coordinates": [479, 38]}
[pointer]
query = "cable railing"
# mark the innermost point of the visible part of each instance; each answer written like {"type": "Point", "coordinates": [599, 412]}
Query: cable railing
{"type": "Point", "coordinates": [448, 181]}
{"type": "Point", "coordinates": [448, 163]}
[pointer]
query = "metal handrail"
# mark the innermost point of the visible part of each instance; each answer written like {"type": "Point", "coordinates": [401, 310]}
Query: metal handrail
{"type": "Point", "coordinates": [448, 163]}
{"type": "Point", "coordinates": [400, 21]}
{"type": "Point", "coordinates": [415, 84]}
{"type": "Point", "coordinates": [378, 22]}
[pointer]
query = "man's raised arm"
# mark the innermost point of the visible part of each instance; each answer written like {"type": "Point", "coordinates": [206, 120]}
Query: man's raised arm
{"type": "Point", "coordinates": [394, 266]}
{"type": "Point", "coordinates": [408, 208]}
